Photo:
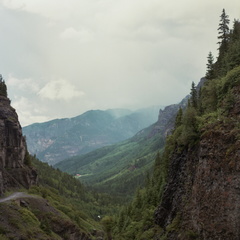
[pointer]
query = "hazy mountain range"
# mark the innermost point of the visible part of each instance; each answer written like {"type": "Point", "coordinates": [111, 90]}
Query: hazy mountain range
{"type": "Point", "coordinates": [59, 139]}
{"type": "Point", "coordinates": [121, 167]}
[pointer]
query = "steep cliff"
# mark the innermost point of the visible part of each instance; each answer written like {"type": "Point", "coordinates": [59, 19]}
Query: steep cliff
{"type": "Point", "coordinates": [25, 216]}
{"type": "Point", "coordinates": [202, 199]}
{"type": "Point", "coordinates": [166, 119]}
{"type": "Point", "coordinates": [14, 172]}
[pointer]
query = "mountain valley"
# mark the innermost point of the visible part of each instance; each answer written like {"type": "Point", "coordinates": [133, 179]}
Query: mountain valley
{"type": "Point", "coordinates": [122, 175]}
{"type": "Point", "coordinates": [121, 167]}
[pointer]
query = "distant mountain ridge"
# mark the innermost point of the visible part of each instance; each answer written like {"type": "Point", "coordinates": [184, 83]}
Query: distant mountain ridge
{"type": "Point", "coordinates": [59, 139]}
{"type": "Point", "coordinates": [121, 167]}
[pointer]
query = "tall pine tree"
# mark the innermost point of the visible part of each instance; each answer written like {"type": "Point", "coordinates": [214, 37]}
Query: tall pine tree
{"type": "Point", "coordinates": [223, 31]}
{"type": "Point", "coordinates": [210, 66]}
{"type": "Point", "coordinates": [3, 87]}
{"type": "Point", "coordinates": [178, 119]}
{"type": "Point", "coordinates": [224, 35]}
{"type": "Point", "coordinates": [193, 99]}
{"type": "Point", "coordinates": [235, 32]}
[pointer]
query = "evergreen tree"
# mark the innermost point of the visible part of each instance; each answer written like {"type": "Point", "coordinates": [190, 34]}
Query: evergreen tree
{"type": "Point", "coordinates": [235, 33]}
{"type": "Point", "coordinates": [231, 58]}
{"type": "Point", "coordinates": [223, 31]}
{"type": "Point", "coordinates": [107, 223]}
{"type": "Point", "coordinates": [27, 159]}
{"type": "Point", "coordinates": [190, 129]}
{"type": "Point", "coordinates": [158, 158]}
{"type": "Point", "coordinates": [3, 87]}
{"type": "Point", "coordinates": [210, 66]}
{"type": "Point", "coordinates": [193, 99]}
{"type": "Point", "coordinates": [178, 119]}
{"type": "Point", "coordinates": [200, 107]}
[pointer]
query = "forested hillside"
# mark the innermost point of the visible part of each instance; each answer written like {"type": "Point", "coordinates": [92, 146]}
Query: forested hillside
{"type": "Point", "coordinates": [57, 207]}
{"type": "Point", "coordinates": [193, 189]}
{"type": "Point", "coordinates": [121, 168]}
{"type": "Point", "coordinates": [37, 201]}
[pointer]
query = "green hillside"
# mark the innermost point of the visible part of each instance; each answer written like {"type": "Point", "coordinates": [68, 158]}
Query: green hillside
{"type": "Point", "coordinates": [195, 176]}
{"type": "Point", "coordinates": [120, 168]}
{"type": "Point", "coordinates": [57, 207]}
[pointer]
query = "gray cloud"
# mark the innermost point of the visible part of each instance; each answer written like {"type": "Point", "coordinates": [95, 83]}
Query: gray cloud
{"type": "Point", "coordinates": [60, 90]}
{"type": "Point", "coordinates": [61, 58]}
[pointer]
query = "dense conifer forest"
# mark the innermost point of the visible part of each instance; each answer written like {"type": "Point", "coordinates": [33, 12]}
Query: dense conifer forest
{"type": "Point", "coordinates": [211, 103]}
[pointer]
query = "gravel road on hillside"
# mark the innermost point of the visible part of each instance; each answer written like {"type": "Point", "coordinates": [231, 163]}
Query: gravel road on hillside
{"type": "Point", "coordinates": [15, 195]}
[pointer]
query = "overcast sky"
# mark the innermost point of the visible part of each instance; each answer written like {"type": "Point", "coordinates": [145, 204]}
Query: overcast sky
{"type": "Point", "coordinates": [61, 58]}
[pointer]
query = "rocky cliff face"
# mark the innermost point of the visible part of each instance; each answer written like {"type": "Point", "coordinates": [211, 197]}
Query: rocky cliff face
{"type": "Point", "coordinates": [166, 119]}
{"type": "Point", "coordinates": [202, 197]}
{"type": "Point", "coordinates": [13, 170]}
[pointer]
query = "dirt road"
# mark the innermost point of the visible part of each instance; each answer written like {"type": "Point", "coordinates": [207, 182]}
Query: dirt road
{"type": "Point", "coordinates": [15, 195]}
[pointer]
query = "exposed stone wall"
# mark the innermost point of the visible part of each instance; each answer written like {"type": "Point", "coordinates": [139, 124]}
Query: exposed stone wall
{"type": "Point", "coordinates": [203, 189]}
{"type": "Point", "coordinates": [13, 171]}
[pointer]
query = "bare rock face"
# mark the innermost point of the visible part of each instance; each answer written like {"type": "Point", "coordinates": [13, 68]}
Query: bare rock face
{"type": "Point", "coordinates": [13, 170]}
{"type": "Point", "coordinates": [202, 197]}
{"type": "Point", "coordinates": [166, 118]}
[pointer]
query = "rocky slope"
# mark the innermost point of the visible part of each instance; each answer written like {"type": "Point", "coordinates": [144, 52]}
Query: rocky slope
{"type": "Point", "coordinates": [59, 139]}
{"type": "Point", "coordinates": [166, 119]}
{"type": "Point", "coordinates": [34, 218]}
{"type": "Point", "coordinates": [14, 172]}
{"type": "Point", "coordinates": [201, 198]}
{"type": "Point", "coordinates": [24, 216]}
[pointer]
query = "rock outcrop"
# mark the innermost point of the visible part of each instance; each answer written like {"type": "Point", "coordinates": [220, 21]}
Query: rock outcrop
{"type": "Point", "coordinates": [166, 119]}
{"type": "Point", "coordinates": [202, 196]}
{"type": "Point", "coordinates": [13, 149]}
{"type": "Point", "coordinates": [32, 217]}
